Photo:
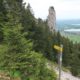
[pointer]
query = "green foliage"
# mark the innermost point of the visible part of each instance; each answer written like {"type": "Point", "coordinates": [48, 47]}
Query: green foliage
{"type": "Point", "coordinates": [16, 52]}
{"type": "Point", "coordinates": [25, 41]}
{"type": "Point", "coordinates": [3, 19]}
{"type": "Point", "coordinates": [50, 75]}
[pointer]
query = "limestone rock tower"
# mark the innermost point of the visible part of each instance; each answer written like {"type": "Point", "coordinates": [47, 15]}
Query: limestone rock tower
{"type": "Point", "coordinates": [52, 19]}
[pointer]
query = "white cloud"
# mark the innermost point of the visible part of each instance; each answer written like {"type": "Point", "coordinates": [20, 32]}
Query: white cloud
{"type": "Point", "coordinates": [65, 9]}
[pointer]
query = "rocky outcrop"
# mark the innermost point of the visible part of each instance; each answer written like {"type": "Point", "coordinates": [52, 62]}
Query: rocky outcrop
{"type": "Point", "coordinates": [52, 19]}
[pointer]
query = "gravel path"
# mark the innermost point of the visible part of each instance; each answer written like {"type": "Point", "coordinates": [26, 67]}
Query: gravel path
{"type": "Point", "coordinates": [64, 75]}
{"type": "Point", "coordinates": [67, 75]}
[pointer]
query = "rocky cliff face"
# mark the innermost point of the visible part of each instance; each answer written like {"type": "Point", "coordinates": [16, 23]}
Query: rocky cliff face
{"type": "Point", "coordinates": [52, 19]}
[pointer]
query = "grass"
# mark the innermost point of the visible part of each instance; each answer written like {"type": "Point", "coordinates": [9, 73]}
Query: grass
{"type": "Point", "coordinates": [73, 37]}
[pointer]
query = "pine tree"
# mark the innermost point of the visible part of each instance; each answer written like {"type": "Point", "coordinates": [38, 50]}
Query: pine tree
{"type": "Point", "coordinates": [3, 18]}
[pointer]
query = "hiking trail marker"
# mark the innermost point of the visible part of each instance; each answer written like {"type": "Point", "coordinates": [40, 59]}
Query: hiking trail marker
{"type": "Point", "coordinates": [60, 50]}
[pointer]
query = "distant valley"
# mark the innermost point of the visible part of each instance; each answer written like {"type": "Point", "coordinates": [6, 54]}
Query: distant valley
{"type": "Point", "coordinates": [70, 29]}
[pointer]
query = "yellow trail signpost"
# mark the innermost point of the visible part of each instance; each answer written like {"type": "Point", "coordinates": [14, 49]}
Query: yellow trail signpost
{"type": "Point", "coordinates": [60, 49]}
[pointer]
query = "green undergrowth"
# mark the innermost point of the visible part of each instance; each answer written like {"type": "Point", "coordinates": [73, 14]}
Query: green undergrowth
{"type": "Point", "coordinates": [53, 65]}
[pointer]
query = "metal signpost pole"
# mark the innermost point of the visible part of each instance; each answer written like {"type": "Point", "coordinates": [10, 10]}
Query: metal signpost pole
{"type": "Point", "coordinates": [60, 49]}
{"type": "Point", "coordinates": [60, 61]}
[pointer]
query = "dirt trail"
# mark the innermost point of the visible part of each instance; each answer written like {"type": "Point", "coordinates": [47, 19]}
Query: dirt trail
{"type": "Point", "coordinates": [67, 75]}
{"type": "Point", "coordinates": [64, 75]}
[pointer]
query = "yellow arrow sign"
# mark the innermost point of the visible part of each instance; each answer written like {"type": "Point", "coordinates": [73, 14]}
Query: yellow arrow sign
{"type": "Point", "coordinates": [58, 48]}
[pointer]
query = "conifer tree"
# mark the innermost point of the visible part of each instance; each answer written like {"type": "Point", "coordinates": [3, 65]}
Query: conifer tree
{"type": "Point", "coordinates": [3, 18]}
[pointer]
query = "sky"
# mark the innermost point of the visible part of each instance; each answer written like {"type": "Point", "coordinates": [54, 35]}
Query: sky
{"type": "Point", "coordinates": [65, 9]}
